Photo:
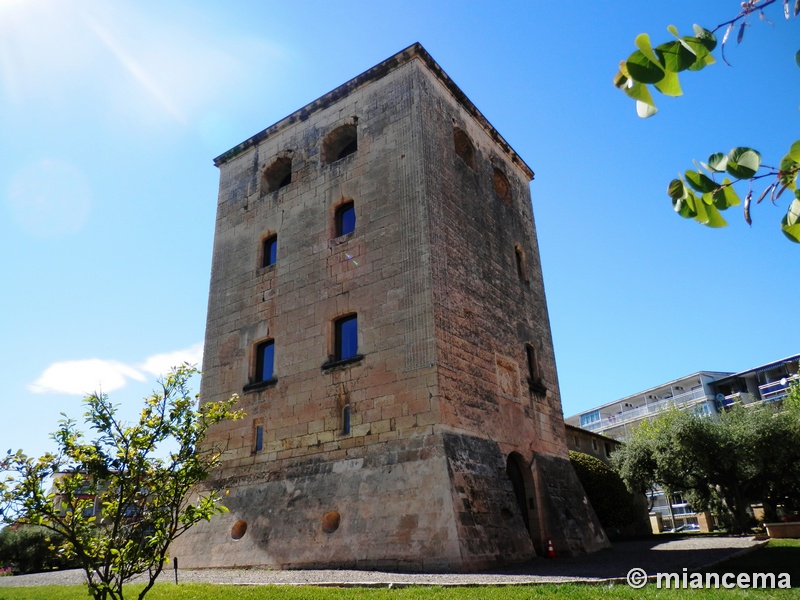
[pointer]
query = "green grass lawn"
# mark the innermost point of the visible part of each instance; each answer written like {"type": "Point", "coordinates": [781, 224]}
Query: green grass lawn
{"type": "Point", "coordinates": [778, 556]}
{"type": "Point", "coordinates": [543, 592]}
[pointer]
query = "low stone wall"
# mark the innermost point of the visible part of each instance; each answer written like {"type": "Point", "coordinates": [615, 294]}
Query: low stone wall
{"type": "Point", "coordinates": [783, 530]}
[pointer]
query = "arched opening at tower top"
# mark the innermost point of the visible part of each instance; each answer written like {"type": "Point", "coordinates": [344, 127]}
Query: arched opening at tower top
{"type": "Point", "coordinates": [277, 175]}
{"type": "Point", "coordinates": [339, 143]}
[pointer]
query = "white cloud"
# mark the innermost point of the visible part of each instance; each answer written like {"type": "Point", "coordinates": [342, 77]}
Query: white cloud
{"type": "Point", "coordinates": [81, 377]}
{"type": "Point", "coordinates": [160, 364]}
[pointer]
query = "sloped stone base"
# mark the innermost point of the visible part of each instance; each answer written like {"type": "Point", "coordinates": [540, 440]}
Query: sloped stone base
{"type": "Point", "coordinates": [430, 503]}
{"type": "Point", "coordinates": [572, 524]}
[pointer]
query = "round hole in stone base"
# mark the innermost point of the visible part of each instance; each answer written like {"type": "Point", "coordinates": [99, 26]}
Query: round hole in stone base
{"type": "Point", "coordinates": [330, 521]}
{"type": "Point", "coordinates": [239, 529]}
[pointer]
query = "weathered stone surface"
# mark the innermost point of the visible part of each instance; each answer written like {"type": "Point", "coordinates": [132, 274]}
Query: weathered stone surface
{"type": "Point", "coordinates": [444, 398]}
{"type": "Point", "coordinates": [572, 525]}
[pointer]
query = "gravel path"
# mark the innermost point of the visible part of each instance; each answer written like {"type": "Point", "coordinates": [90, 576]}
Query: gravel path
{"type": "Point", "coordinates": [665, 555]}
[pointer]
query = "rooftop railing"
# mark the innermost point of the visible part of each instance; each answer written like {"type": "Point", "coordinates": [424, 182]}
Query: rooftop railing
{"type": "Point", "coordinates": [680, 401]}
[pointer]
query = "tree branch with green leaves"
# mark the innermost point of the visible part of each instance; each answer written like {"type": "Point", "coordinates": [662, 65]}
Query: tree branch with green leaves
{"type": "Point", "coordinates": [697, 194]}
{"type": "Point", "coordinates": [119, 500]}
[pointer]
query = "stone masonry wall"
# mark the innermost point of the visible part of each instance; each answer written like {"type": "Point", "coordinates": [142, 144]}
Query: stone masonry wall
{"type": "Point", "coordinates": [382, 273]}
{"type": "Point", "coordinates": [490, 302]}
{"type": "Point", "coordinates": [378, 272]}
{"type": "Point", "coordinates": [486, 312]}
{"type": "Point", "coordinates": [390, 504]}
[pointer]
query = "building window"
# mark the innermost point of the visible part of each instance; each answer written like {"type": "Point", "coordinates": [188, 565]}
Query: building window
{"type": "Point", "coordinates": [522, 269]}
{"type": "Point", "coordinates": [277, 175]}
{"type": "Point", "coordinates": [258, 445]}
{"type": "Point", "coordinates": [535, 379]}
{"type": "Point", "coordinates": [594, 444]}
{"type": "Point", "coordinates": [265, 361]}
{"type": "Point", "coordinates": [269, 251]}
{"type": "Point", "coordinates": [464, 148]}
{"type": "Point", "coordinates": [340, 143]}
{"type": "Point", "coordinates": [577, 441]}
{"type": "Point", "coordinates": [590, 417]}
{"type": "Point", "coordinates": [608, 449]}
{"type": "Point", "coordinates": [346, 338]}
{"type": "Point", "coordinates": [345, 219]}
{"type": "Point", "coordinates": [346, 420]}
{"type": "Point", "coordinates": [344, 344]}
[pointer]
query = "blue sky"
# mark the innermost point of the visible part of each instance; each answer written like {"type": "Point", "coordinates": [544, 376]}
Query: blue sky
{"type": "Point", "coordinates": [111, 114]}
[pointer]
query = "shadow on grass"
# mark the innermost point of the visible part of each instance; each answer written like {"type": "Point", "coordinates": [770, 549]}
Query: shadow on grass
{"type": "Point", "coordinates": [655, 554]}
{"type": "Point", "coordinates": [778, 556]}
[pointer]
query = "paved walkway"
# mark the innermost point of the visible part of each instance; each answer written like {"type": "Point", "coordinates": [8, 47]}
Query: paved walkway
{"type": "Point", "coordinates": [659, 554]}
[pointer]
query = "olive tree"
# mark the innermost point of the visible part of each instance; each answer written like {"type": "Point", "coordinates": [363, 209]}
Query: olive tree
{"type": "Point", "coordinates": [118, 500]}
{"type": "Point", "coordinates": [747, 455]}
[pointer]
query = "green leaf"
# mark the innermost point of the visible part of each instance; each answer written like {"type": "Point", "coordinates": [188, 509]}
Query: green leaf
{"type": "Point", "coordinates": [669, 85]}
{"type": "Point", "coordinates": [797, 58]}
{"type": "Point", "coordinates": [645, 107]}
{"type": "Point", "coordinates": [788, 172]}
{"type": "Point", "coordinates": [715, 219]}
{"type": "Point", "coordinates": [793, 213]}
{"type": "Point", "coordinates": [725, 196]}
{"type": "Point", "coordinates": [743, 162]}
{"type": "Point", "coordinates": [642, 69]}
{"type": "Point", "coordinates": [790, 225]}
{"type": "Point", "coordinates": [700, 209]}
{"type": "Point", "coordinates": [705, 37]}
{"type": "Point", "coordinates": [700, 182]}
{"type": "Point", "coordinates": [703, 58]}
{"type": "Point", "coordinates": [717, 162]}
{"type": "Point", "coordinates": [681, 203]}
{"type": "Point", "coordinates": [642, 42]}
{"type": "Point", "coordinates": [676, 190]}
{"type": "Point", "coordinates": [638, 91]}
{"type": "Point", "coordinates": [794, 151]}
{"type": "Point", "coordinates": [683, 208]}
{"type": "Point", "coordinates": [691, 201]}
{"type": "Point", "coordinates": [675, 56]}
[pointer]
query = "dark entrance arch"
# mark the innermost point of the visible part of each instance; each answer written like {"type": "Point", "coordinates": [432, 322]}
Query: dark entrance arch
{"type": "Point", "coordinates": [522, 480]}
{"type": "Point", "coordinates": [514, 471]}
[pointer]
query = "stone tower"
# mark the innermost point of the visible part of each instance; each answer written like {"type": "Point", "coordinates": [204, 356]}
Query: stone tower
{"type": "Point", "coordinates": [377, 302]}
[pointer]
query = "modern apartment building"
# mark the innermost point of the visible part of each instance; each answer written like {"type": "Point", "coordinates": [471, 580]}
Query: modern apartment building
{"type": "Point", "coordinates": [704, 392]}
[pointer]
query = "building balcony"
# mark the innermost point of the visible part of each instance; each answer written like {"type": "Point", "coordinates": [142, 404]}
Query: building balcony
{"type": "Point", "coordinates": [649, 410]}
{"type": "Point", "coordinates": [769, 392]}
{"type": "Point", "coordinates": [776, 390]}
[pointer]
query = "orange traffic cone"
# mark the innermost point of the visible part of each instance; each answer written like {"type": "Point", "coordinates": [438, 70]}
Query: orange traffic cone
{"type": "Point", "coordinates": [550, 552]}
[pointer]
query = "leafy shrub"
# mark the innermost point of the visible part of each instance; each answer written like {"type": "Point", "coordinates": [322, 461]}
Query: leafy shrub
{"type": "Point", "coordinates": [614, 505]}
{"type": "Point", "coordinates": [30, 549]}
